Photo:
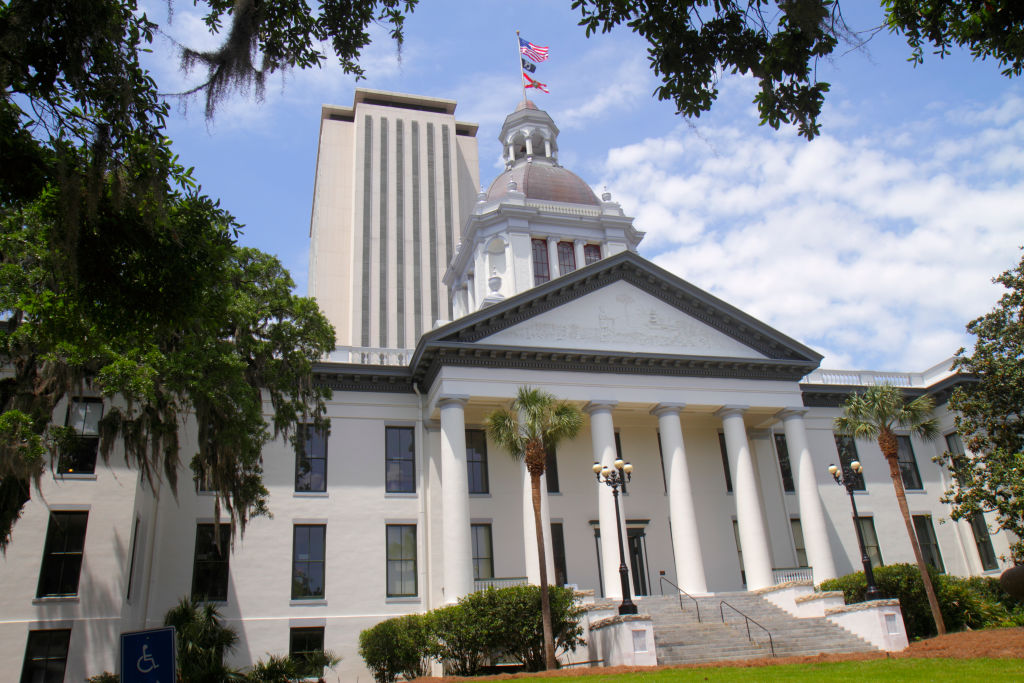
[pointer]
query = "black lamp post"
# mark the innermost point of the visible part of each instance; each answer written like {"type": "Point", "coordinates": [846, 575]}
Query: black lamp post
{"type": "Point", "coordinates": [615, 478]}
{"type": "Point", "coordinates": [848, 480]}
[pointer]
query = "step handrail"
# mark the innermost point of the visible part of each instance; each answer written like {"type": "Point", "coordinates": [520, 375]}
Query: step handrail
{"type": "Point", "coordinates": [721, 608]}
{"type": "Point", "coordinates": [681, 594]}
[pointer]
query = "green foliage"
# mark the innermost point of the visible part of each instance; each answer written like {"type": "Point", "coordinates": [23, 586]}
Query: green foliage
{"type": "Point", "coordinates": [202, 639]}
{"type": "Point", "coordinates": [105, 677]}
{"type": "Point", "coordinates": [486, 626]}
{"type": "Point", "coordinates": [397, 647]}
{"type": "Point", "coordinates": [977, 602]}
{"type": "Point", "coordinates": [989, 416]}
{"type": "Point", "coordinates": [881, 409]}
{"type": "Point", "coordinates": [285, 669]}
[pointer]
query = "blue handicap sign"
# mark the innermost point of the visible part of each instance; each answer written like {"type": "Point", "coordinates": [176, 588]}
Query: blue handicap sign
{"type": "Point", "coordinates": [148, 656]}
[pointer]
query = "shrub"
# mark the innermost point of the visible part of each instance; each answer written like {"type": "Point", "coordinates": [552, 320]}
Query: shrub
{"type": "Point", "coordinates": [396, 646]}
{"type": "Point", "coordinates": [978, 602]}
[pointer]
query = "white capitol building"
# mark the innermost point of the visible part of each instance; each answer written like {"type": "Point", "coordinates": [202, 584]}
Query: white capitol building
{"type": "Point", "coordinates": [446, 300]}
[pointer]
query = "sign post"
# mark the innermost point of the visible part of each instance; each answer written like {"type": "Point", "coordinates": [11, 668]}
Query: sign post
{"type": "Point", "coordinates": [148, 656]}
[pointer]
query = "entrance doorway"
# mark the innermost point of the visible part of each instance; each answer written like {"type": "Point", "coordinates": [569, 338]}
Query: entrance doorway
{"type": "Point", "coordinates": [636, 550]}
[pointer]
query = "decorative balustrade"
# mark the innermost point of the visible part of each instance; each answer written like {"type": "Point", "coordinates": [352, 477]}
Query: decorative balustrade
{"type": "Point", "coordinates": [787, 574]}
{"type": "Point", "coordinates": [365, 355]}
{"type": "Point", "coordinates": [499, 582]}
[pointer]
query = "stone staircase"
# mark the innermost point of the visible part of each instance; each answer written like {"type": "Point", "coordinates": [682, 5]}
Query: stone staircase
{"type": "Point", "coordinates": [681, 639]}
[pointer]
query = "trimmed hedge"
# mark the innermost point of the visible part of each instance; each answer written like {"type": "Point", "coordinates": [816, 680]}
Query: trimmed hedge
{"type": "Point", "coordinates": [484, 627]}
{"type": "Point", "coordinates": [976, 602]}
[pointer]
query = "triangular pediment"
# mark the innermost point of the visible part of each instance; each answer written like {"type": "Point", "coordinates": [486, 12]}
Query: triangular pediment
{"type": "Point", "coordinates": [620, 317]}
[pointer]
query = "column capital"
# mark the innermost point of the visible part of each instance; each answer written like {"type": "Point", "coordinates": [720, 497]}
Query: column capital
{"type": "Point", "coordinates": [452, 399]}
{"type": "Point", "coordinates": [792, 413]}
{"type": "Point", "coordinates": [667, 408]}
{"type": "Point", "coordinates": [599, 406]}
{"type": "Point", "coordinates": [731, 410]}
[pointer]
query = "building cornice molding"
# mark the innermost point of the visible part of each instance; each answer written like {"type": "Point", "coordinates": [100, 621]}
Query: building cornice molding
{"type": "Point", "coordinates": [834, 395]}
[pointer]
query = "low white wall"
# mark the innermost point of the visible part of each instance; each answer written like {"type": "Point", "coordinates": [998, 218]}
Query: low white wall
{"type": "Point", "coordinates": [625, 640]}
{"type": "Point", "coordinates": [786, 594]}
{"type": "Point", "coordinates": [815, 604]}
{"type": "Point", "coordinates": [880, 622]}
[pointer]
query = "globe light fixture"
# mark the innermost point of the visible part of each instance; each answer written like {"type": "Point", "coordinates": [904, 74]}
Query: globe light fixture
{"type": "Point", "coordinates": [848, 480]}
{"type": "Point", "coordinates": [615, 479]}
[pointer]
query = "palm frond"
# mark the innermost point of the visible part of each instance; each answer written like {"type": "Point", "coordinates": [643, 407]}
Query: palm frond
{"type": "Point", "coordinates": [503, 429]}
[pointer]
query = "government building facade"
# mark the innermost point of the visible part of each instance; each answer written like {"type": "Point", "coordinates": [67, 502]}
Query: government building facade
{"type": "Point", "coordinates": [446, 300]}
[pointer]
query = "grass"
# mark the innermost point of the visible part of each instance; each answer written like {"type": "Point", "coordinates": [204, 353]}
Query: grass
{"type": "Point", "coordinates": [942, 670]}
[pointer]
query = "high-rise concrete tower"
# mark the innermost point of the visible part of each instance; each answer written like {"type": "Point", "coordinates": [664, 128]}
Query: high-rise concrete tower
{"type": "Point", "coordinates": [396, 175]}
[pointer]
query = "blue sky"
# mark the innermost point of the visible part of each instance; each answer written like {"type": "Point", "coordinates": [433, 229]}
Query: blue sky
{"type": "Point", "coordinates": [874, 244]}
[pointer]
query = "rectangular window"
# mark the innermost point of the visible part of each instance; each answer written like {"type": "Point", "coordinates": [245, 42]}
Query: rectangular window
{"type": "Point", "coordinates": [591, 253]}
{"type": "Point", "coordinates": [210, 567]}
{"type": "Point", "coordinates": [558, 550]}
{"type": "Point", "coordinates": [308, 559]}
{"type": "Point", "coordinates": [984, 542]}
{"type": "Point", "coordinates": [84, 418]}
{"type": "Point", "coordinates": [62, 554]}
{"type": "Point", "coordinates": [566, 258]}
{"type": "Point", "coordinates": [541, 270]}
{"type": "Point", "coordinates": [476, 461]}
{"type": "Point", "coordinates": [929, 544]}
{"type": "Point", "coordinates": [954, 444]}
{"type": "Point", "coordinates": [798, 542]}
{"type": "Point", "coordinates": [908, 464]}
{"type": "Point", "coordinates": [483, 552]}
{"type": "Point", "coordinates": [739, 550]}
{"type": "Point", "coordinates": [311, 464]}
{"type": "Point", "coordinates": [725, 464]}
{"type": "Point", "coordinates": [303, 643]}
{"type": "Point", "coordinates": [785, 467]}
{"type": "Point", "coordinates": [551, 471]}
{"type": "Point", "coordinates": [867, 530]}
{"type": "Point", "coordinates": [46, 656]}
{"type": "Point", "coordinates": [401, 560]}
{"type": "Point", "coordinates": [847, 454]}
{"type": "Point", "coordinates": [399, 460]}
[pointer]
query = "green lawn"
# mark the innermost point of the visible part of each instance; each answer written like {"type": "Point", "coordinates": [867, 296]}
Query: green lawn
{"type": "Point", "coordinates": [941, 670]}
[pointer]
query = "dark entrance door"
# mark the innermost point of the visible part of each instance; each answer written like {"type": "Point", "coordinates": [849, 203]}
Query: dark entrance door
{"type": "Point", "coordinates": [638, 560]}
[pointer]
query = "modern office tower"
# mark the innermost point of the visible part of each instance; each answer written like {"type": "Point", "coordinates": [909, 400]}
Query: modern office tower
{"type": "Point", "coordinates": [396, 175]}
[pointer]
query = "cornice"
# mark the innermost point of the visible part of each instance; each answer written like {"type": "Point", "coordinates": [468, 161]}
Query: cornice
{"type": "Point", "coordinates": [834, 395]}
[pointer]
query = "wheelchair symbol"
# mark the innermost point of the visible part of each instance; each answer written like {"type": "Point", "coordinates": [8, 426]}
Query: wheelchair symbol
{"type": "Point", "coordinates": [146, 662]}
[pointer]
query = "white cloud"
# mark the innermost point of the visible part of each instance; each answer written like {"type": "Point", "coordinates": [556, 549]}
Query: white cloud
{"type": "Point", "coordinates": [876, 254]}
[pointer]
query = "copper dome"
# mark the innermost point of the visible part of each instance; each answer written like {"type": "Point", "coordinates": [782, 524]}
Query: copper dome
{"type": "Point", "coordinates": [544, 181]}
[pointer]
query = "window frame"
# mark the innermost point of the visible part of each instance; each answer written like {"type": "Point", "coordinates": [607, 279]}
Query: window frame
{"type": "Point", "coordinates": [566, 257]}
{"type": "Point", "coordinates": [300, 656]}
{"type": "Point", "coordinates": [846, 449]}
{"type": "Point", "coordinates": [477, 472]}
{"type": "Point", "coordinates": [66, 559]}
{"type": "Point", "coordinates": [400, 484]}
{"type": "Point", "coordinates": [558, 552]}
{"type": "Point", "coordinates": [983, 541]}
{"type": "Point", "coordinates": [908, 464]}
{"type": "Point", "coordinates": [799, 544]}
{"type": "Point", "coordinates": [873, 550]}
{"type": "Point", "coordinates": [541, 262]}
{"type": "Point", "coordinates": [551, 468]}
{"type": "Point", "coordinates": [725, 464]}
{"type": "Point", "coordinates": [588, 253]}
{"type": "Point", "coordinates": [930, 551]}
{"type": "Point", "coordinates": [82, 460]}
{"type": "Point", "coordinates": [63, 642]}
{"type": "Point", "coordinates": [480, 552]}
{"type": "Point", "coordinates": [314, 437]}
{"type": "Point", "coordinates": [311, 563]}
{"type": "Point", "coordinates": [406, 562]}
{"type": "Point", "coordinates": [785, 464]}
{"type": "Point", "coordinates": [220, 565]}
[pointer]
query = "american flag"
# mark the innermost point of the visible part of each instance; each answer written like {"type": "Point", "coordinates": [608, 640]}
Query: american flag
{"type": "Point", "coordinates": [531, 83]}
{"type": "Point", "coordinates": [534, 52]}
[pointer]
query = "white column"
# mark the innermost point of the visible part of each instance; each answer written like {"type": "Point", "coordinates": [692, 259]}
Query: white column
{"type": "Point", "coordinates": [681, 509]}
{"type": "Point", "coordinates": [547, 148]}
{"type": "Point", "coordinates": [553, 258]}
{"type": "Point", "coordinates": [530, 530]}
{"type": "Point", "coordinates": [529, 146]}
{"type": "Point", "coordinates": [812, 512]}
{"type": "Point", "coordinates": [456, 541]}
{"type": "Point", "coordinates": [602, 434]}
{"type": "Point", "coordinates": [578, 249]}
{"type": "Point", "coordinates": [757, 558]}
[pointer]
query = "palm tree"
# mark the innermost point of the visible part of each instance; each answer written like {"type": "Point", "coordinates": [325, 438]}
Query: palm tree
{"type": "Point", "coordinates": [202, 638]}
{"type": "Point", "coordinates": [875, 414]}
{"type": "Point", "coordinates": [535, 424]}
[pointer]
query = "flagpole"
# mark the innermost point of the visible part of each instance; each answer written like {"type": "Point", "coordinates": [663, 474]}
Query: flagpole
{"type": "Point", "coordinates": [522, 76]}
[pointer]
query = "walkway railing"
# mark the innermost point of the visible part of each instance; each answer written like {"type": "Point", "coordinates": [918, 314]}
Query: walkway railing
{"type": "Point", "coordinates": [787, 574]}
{"type": "Point", "coordinates": [721, 608]}
{"type": "Point", "coordinates": [499, 582]}
{"type": "Point", "coordinates": [681, 594]}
